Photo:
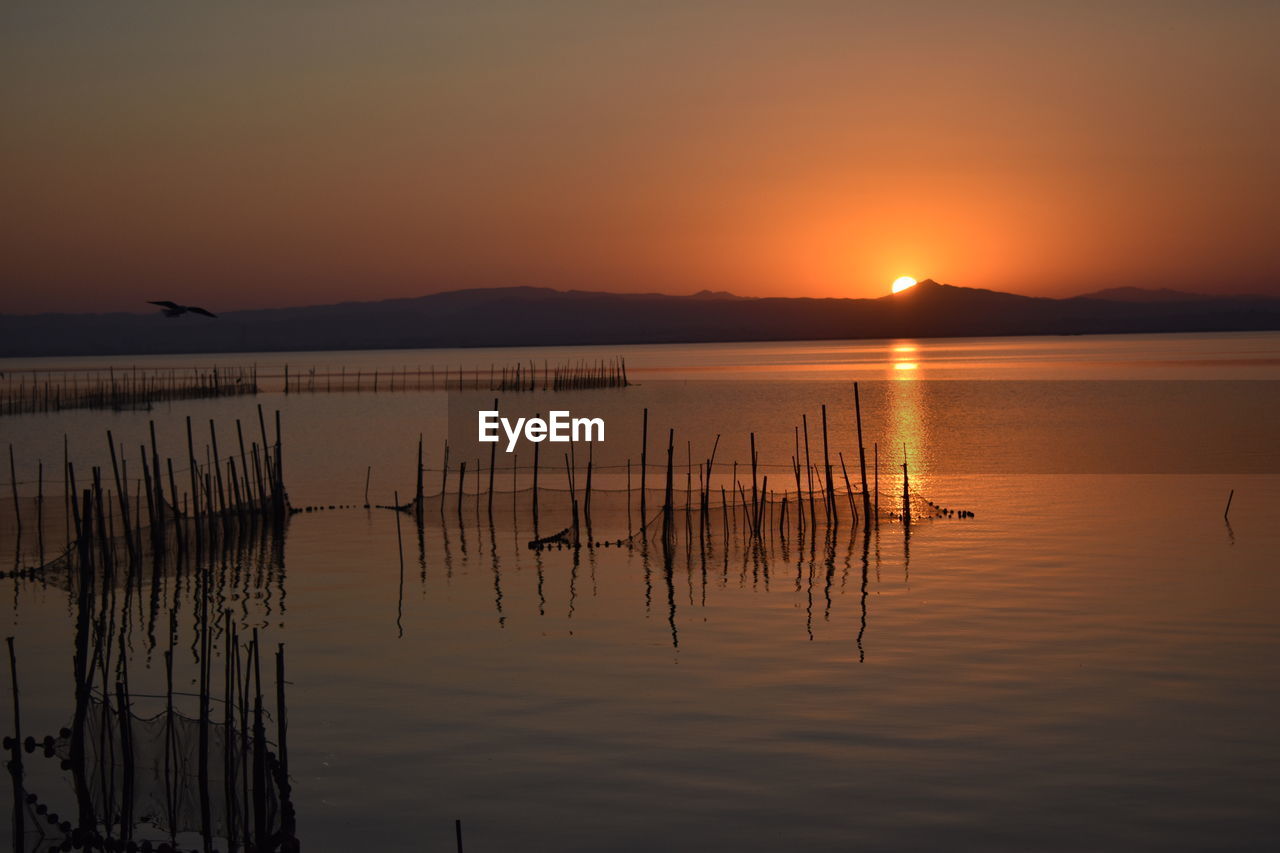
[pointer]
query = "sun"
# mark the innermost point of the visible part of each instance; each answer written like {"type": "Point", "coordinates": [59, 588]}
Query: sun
{"type": "Point", "coordinates": [901, 284]}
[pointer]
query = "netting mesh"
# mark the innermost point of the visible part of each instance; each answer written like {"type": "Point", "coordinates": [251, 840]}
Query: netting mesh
{"type": "Point", "coordinates": [142, 781]}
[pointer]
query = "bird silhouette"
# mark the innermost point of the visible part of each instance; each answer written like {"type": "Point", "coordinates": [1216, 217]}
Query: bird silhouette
{"type": "Point", "coordinates": [173, 309]}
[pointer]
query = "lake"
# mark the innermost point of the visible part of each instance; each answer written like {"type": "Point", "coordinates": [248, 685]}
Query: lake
{"type": "Point", "coordinates": [1090, 661]}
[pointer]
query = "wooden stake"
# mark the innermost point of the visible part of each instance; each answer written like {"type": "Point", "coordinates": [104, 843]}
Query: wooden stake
{"type": "Point", "coordinates": [586, 502]}
{"type": "Point", "coordinates": [813, 514]}
{"type": "Point", "coordinates": [462, 479]}
{"type": "Point", "coordinates": [122, 492]}
{"type": "Point", "coordinates": [826, 464]}
{"type": "Point", "coordinates": [667, 508]}
{"type": "Point", "coordinates": [755, 495]}
{"type": "Point", "coordinates": [13, 486]}
{"type": "Point", "coordinates": [644, 463]}
{"type": "Point", "coordinates": [444, 475]}
{"type": "Point", "coordinates": [862, 458]}
{"type": "Point", "coordinates": [493, 459]}
{"type": "Point", "coordinates": [536, 446]}
{"type": "Point", "coordinates": [15, 763]}
{"type": "Point", "coordinates": [417, 499]}
{"type": "Point", "coordinates": [906, 490]}
{"type": "Point", "coordinates": [40, 508]}
{"type": "Point", "coordinates": [155, 473]}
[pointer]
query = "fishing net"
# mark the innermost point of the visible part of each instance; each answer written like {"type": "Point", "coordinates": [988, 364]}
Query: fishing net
{"type": "Point", "coordinates": [142, 780]}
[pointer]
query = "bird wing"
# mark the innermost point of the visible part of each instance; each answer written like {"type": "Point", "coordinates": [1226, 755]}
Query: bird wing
{"type": "Point", "coordinates": [194, 310]}
{"type": "Point", "coordinates": [165, 303]}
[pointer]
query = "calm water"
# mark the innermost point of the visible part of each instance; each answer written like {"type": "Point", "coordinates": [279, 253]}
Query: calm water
{"type": "Point", "coordinates": [1089, 663]}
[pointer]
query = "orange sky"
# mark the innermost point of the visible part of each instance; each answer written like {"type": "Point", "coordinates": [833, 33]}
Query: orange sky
{"type": "Point", "coordinates": [244, 157]}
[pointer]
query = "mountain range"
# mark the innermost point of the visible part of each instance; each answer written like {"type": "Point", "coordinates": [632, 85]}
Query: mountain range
{"type": "Point", "coordinates": [535, 316]}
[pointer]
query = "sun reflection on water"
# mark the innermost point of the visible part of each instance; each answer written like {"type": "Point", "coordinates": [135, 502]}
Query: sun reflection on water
{"type": "Point", "coordinates": [906, 434]}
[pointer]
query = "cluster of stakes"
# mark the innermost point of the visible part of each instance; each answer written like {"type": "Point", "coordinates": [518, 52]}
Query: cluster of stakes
{"type": "Point", "coordinates": [117, 525]}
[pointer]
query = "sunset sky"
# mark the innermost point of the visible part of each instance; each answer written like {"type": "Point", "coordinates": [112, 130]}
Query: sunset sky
{"type": "Point", "coordinates": [251, 155]}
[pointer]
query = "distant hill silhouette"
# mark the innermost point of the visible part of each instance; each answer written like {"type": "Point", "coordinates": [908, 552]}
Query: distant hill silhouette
{"type": "Point", "coordinates": [1142, 294]}
{"type": "Point", "coordinates": [532, 316]}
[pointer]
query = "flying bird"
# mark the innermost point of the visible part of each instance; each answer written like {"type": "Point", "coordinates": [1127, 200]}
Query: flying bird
{"type": "Point", "coordinates": [173, 309]}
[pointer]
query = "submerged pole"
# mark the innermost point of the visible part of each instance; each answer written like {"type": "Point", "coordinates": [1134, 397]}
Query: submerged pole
{"type": "Point", "coordinates": [15, 763]}
{"type": "Point", "coordinates": [417, 500]}
{"type": "Point", "coordinates": [667, 509]}
{"type": "Point", "coordinates": [862, 457]}
{"type": "Point", "coordinates": [536, 447]}
{"type": "Point", "coordinates": [808, 473]}
{"type": "Point", "coordinates": [906, 490]}
{"type": "Point", "coordinates": [122, 493]}
{"type": "Point", "coordinates": [40, 508]}
{"type": "Point", "coordinates": [13, 485]}
{"type": "Point", "coordinates": [826, 464]}
{"type": "Point", "coordinates": [644, 462]}
{"type": "Point", "coordinates": [493, 460]}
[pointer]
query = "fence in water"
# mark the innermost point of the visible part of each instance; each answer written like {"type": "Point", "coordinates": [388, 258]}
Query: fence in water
{"type": "Point", "coordinates": [516, 377]}
{"type": "Point", "coordinates": [38, 391]}
{"type": "Point", "coordinates": [168, 502]}
{"type": "Point", "coordinates": [811, 487]}
{"type": "Point", "coordinates": [158, 772]}
{"type": "Point", "coordinates": [140, 388]}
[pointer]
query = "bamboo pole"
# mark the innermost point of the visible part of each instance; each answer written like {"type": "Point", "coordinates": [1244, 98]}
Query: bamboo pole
{"type": "Point", "coordinates": [146, 477]}
{"type": "Point", "coordinates": [15, 761]}
{"type": "Point", "coordinates": [417, 499]}
{"type": "Point", "coordinates": [876, 450]}
{"type": "Point", "coordinates": [13, 486]}
{"type": "Point", "coordinates": [493, 459]}
{"type": "Point", "coordinates": [279, 471]}
{"type": "Point", "coordinates": [755, 496]}
{"type": "Point", "coordinates": [853, 509]}
{"type": "Point", "coordinates": [282, 717]}
{"type": "Point", "coordinates": [906, 490]}
{"type": "Point", "coordinates": [68, 493]}
{"type": "Point", "coordinates": [462, 479]}
{"type": "Point", "coordinates": [259, 755]}
{"type": "Point", "coordinates": [667, 508]}
{"type": "Point", "coordinates": [126, 754]}
{"type": "Point", "coordinates": [228, 723]}
{"type": "Point", "coordinates": [155, 472]}
{"type": "Point", "coordinates": [244, 464]}
{"type": "Point", "coordinates": [586, 502]}
{"type": "Point", "coordinates": [40, 508]}
{"type": "Point", "coordinates": [195, 486]}
{"type": "Point", "coordinates": [536, 450]}
{"type": "Point", "coordinates": [400, 547]}
{"type": "Point", "coordinates": [862, 458]}
{"type": "Point", "coordinates": [444, 475]}
{"type": "Point", "coordinates": [813, 515]}
{"type": "Point", "coordinates": [217, 468]}
{"type": "Point", "coordinates": [122, 492]}
{"type": "Point", "coordinates": [826, 464]}
{"type": "Point", "coordinates": [202, 755]}
{"type": "Point", "coordinates": [644, 464]}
